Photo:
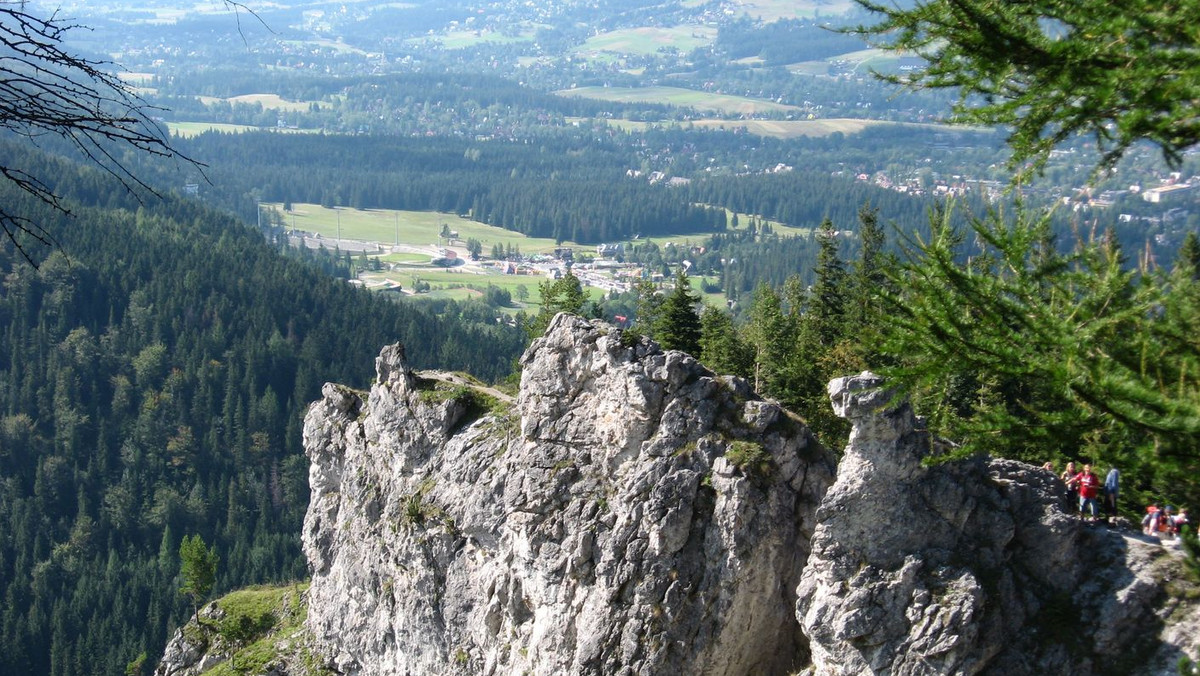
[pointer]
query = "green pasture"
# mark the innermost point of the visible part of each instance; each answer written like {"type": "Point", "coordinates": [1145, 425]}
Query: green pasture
{"type": "Point", "coordinates": [267, 101]}
{"type": "Point", "coordinates": [326, 43]}
{"type": "Point", "coordinates": [461, 285]}
{"type": "Point", "coordinates": [406, 258]}
{"type": "Point", "coordinates": [648, 40]}
{"type": "Point", "coordinates": [698, 239]}
{"type": "Point", "coordinates": [626, 125]}
{"type": "Point", "coordinates": [136, 79]}
{"type": "Point", "coordinates": [774, 10]}
{"type": "Point", "coordinates": [789, 129]}
{"type": "Point", "coordinates": [190, 129]}
{"type": "Point", "coordinates": [782, 129]}
{"type": "Point", "coordinates": [809, 68]}
{"type": "Point", "coordinates": [422, 228]}
{"type": "Point", "coordinates": [677, 96]}
{"type": "Point", "coordinates": [461, 39]}
{"type": "Point", "coordinates": [864, 60]}
{"type": "Point", "coordinates": [779, 228]}
{"type": "Point", "coordinates": [418, 228]}
{"type": "Point", "coordinates": [716, 300]}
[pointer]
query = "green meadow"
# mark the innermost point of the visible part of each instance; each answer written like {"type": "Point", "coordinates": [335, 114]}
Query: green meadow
{"type": "Point", "coordinates": [648, 40]}
{"type": "Point", "coordinates": [190, 129]}
{"type": "Point", "coordinates": [462, 39]}
{"type": "Point", "coordinates": [268, 102]}
{"type": "Point", "coordinates": [773, 10]}
{"type": "Point", "coordinates": [422, 228]}
{"type": "Point", "coordinates": [418, 228]}
{"type": "Point", "coordinates": [463, 285]}
{"type": "Point", "coordinates": [677, 96]}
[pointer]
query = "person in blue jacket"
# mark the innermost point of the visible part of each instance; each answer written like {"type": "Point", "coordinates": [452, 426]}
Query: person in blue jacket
{"type": "Point", "coordinates": [1112, 485]}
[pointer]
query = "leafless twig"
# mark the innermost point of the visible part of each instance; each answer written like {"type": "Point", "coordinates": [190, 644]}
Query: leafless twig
{"type": "Point", "coordinates": [47, 90]}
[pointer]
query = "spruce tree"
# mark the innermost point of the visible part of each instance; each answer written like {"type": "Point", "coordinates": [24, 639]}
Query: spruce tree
{"type": "Point", "coordinates": [770, 334]}
{"type": "Point", "coordinates": [198, 568]}
{"type": "Point", "coordinates": [561, 295]}
{"type": "Point", "coordinates": [827, 304]}
{"type": "Point", "coordinates": [678, 325]}
{"type": "Point", "coordinates": [1188, 259]}
{"type": "Point", "coordinates": [721, 347]}
{"type": "Point", "coordinates": [868, 276]}
{"type": "Point", "coordinates": [1030, 352]}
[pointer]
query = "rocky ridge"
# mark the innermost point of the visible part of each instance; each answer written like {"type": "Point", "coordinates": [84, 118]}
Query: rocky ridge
{"type": "Point", "coordinates": [601, 526]}
{"type": "Point", "coordinates": [633, 513]}
{"type": "Point", "coordinates": [972, 566]}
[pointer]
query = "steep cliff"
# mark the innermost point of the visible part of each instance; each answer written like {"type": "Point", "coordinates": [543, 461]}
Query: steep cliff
{"type": "Point", "coordinates": [632, 513]}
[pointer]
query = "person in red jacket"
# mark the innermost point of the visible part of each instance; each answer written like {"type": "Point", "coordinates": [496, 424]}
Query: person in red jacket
{"type": "Point", "coordinates": [1089, 487]}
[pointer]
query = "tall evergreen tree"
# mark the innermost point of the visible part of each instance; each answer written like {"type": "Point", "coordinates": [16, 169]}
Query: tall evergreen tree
{"type": "Point", "coordinates": [198, 568]}
{"type": "Point", "coordinates": [771, 335]}
{"type": "Point", "coordinates": [1188, 260]}
{"type": "Point", "coordinates": [721, 347]}
{"type": "Point", "coordinates": [564, 294]}
{"type": "Point", "coordinates": [1034, 353]}
{"type": "Point", "coordinates": [827, 302]}
{"type": "Point", "coordinates": [678, 326]}
{"type": "Point", "coordinates": [649, 307]}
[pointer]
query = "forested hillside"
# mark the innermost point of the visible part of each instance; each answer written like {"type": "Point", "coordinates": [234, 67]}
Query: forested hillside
{"type": "Point", "coordinates": [568, 190]}
{"type": "Point", "coordinates": [155, 368]}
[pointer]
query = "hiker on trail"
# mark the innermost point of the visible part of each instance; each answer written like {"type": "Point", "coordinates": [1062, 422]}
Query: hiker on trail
{"type": "Point", "coordinates": [1068, 477]}
{"type": "Point", "coordinates": [1112, 486]}
{"type": "Point", "coordinates": [1166, 522]}
{"type": "Point", "coordinates": [1180, 521]}
{"type": "Point", "coordinates": [1150, 521]}
{"type": "Point", "coordinates": [1089, 487]}
{"type": "Point", "coordinates": [1160, 522]}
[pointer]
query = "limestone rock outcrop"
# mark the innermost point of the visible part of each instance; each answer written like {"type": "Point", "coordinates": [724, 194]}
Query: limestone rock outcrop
{"type": "Point", "coordinates": [970, 566]}
{"type": "Point", "coordinates": [629, 513]}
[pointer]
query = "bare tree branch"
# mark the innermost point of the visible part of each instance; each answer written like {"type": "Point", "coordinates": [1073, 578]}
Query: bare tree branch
{"type": "Point", "coordinates": [47, 90]}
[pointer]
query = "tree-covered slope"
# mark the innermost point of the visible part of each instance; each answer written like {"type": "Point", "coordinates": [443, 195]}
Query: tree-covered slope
{"type": "Point", "coordinates": [154, 369]}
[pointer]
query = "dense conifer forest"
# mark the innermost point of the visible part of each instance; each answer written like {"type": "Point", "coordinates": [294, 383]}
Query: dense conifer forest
{"type": "Point", "coordinates": [156, 365]}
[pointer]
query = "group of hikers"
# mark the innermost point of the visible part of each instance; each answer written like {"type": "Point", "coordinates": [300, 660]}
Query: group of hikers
{"type": "Point", "coordinates": [1089, 493]}
{"type": "Point", "coordinates": [1086, 489]}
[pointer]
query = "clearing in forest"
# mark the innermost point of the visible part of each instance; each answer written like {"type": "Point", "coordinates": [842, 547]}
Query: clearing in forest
{"type": "Point", "coordinates": [684, 98]}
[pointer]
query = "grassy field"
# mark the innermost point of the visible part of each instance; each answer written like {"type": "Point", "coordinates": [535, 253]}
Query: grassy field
{"type": "Point", "coordinates": [773, 10]}
{"type": "Point", "coordinates": [677, 96]}
{"type": "Point", "coordinates": [464, 286]}
{"type": "Point", "coordinates": [783, 129]}
{"type": "Point", "coordinates": [326, 43]}
{"type": "Point", "coordinates": [404, 258]}
{"type": "Point", "coordinates": [190, 129]}
{"type": "Point", "coordinates": [864, 60]}
{"type": "Point", "coordinates": [786, 129]}
{"type": "Point", "coordinates": [648, 40]}
{"type": "Point", "coordinates": [268, 102]}
{"type": "Point", "coordinates": [420, 228]}
{"type": "Point", "coordinates": [136, 78]}
{"type": "Point", "coordinates": [463, 39]}
{"type": "Point", "coordinates": [809, 68]}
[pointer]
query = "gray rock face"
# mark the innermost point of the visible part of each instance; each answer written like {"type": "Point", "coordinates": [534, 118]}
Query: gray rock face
{"type": "Point", "coordinates": [189, 652]}
{"type": "Point", "coordinates": [969, 566]}
{"type": "Point", "coordinates": [632, 513]}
